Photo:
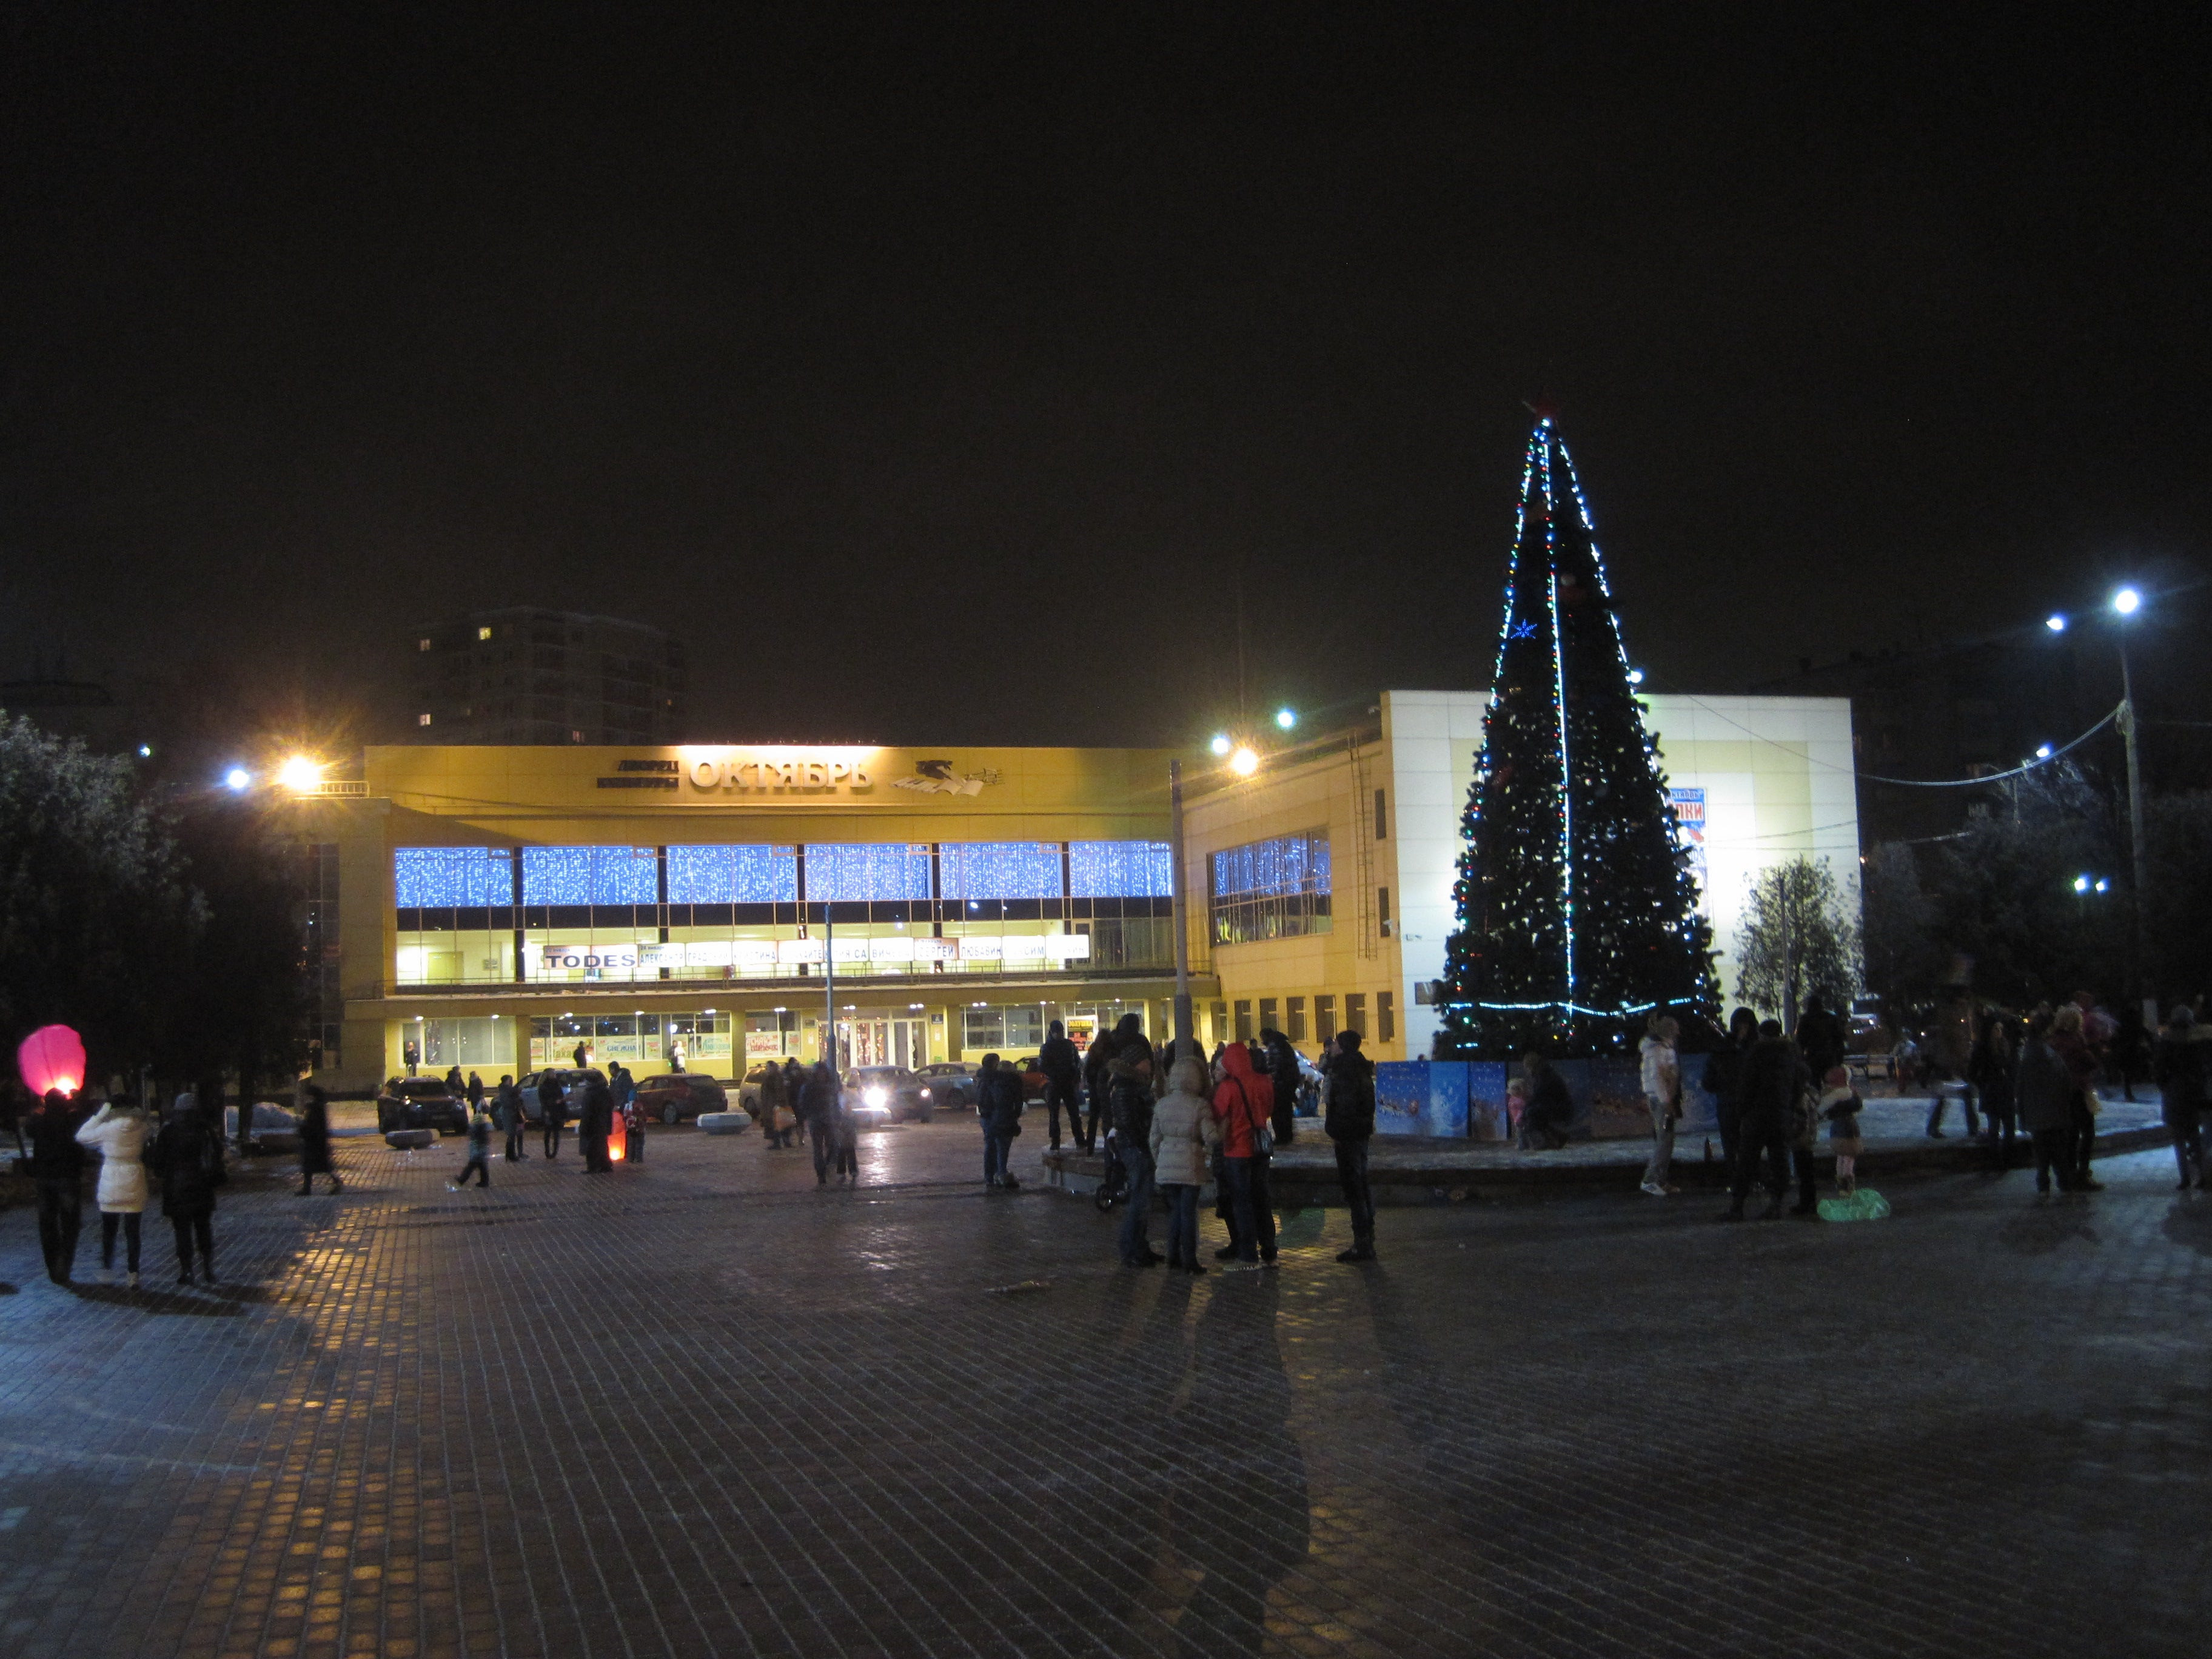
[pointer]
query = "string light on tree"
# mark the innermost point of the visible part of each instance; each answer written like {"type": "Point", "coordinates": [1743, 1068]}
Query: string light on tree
{"type": "Point", "coordinates": [1577, 915]}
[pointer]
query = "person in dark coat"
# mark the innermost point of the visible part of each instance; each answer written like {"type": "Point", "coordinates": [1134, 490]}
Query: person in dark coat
{"type": "Point", "coordinates": [595, 1124]}
{"type": "Point", "coordinates": [999, 1107]}
{"type": "Point", "coordinates": [794, 1092]}
{"type": "Point", "coordinates": [1821, 1036]}
{"type": "Point", "coordinates": [1349, 1121]}
{"type": "Point", "coordinates": [1063, 1079]}
{"type": "Point", "coordinates": [1991, 1072]}
{"type": "Point", "coordinates": [511, 1119]}
{"type": "Point", "coordinates": [821, 1103]}
{"type": "Point", "coordinates": [1095, 1091]}
{"type": "Point", "coordinates": [1550, 1108]}
{"type": "Point", "coordinates": [632, 1115]}
{"type": "Point", "coordinates": [1284, 1074]}
{"type": "Point", "coordinates": [57, 1171]}
{"type": "Point", "coordinates": [479, 1163]}
{"type": "Point", "coordinates": [187, 1158]}
{"type": "Point", "coordinates": [1774, 1076]}
{"type": "Point", "coordinates": [552, 1112]}
{"type": "Point", "coordinates": [454, 1085]}
{"type": "Point", "coordinates": [774, 1097]}
{"type": "Point", "coordinates": [315, 1141]}
{"type": "Point", "coordinates": [1723, 1080]}
{"type": "Point", "coordinates": [2178, 1067]}
{"type": "Point", "coordinates": [2044, 1089]}
{"type": "Point", "coordinates": [1129, 1079]}
{"type": "Point", "coordinates": [476, 1092]}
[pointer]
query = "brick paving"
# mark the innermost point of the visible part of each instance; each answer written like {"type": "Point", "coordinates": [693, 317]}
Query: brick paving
{"type": "Point", "coordinates": [703, 1408]}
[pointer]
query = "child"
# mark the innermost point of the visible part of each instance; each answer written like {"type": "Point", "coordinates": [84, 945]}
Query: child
{"type": "Point", "coordinates": [1516, 1109]}
{"type": "Point", "coordinates": [1841, 1105]}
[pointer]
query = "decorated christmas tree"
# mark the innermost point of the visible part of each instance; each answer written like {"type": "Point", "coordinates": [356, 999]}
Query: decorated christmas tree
{"type": "Point", "coordinates": [1577, 914]}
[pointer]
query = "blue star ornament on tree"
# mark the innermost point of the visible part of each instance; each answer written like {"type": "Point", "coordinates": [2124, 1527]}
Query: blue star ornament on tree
{"type": "Point", "coordinates": [1577, 915]}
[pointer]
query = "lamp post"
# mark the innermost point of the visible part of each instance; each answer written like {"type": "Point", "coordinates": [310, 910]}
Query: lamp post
{"type": "Point", "coordinates": [2125, 603]}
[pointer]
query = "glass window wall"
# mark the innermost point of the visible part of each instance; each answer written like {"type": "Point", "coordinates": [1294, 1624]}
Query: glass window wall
{"type": "Point", "coordinates": [1273, 889]}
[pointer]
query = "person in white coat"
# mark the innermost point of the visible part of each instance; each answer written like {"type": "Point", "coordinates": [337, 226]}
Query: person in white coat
{"type": "Point", "coordinates": [118, 1132]}
{"type": "Point", "coordinates": [1663, 1095]}
{"type": "Point", "coordinates": [1183, 1140]}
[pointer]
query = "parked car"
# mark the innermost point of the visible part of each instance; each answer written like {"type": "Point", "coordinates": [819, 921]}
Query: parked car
{"type": "Point", "coordinates": [749, 1087]}
{"type": "Point", "coordinates": [885, 1094]}
{"type": "Point", "coordinates": [275, 1129]}
{"type": "Point", "coordinates": [420, 1102]}
{"type": "Point", "coordinates": [568, 1077]}
{"type": "Point", "coordinates": [675, 1095]}
{"type": "Point", "coordinates": [1034, 1084]}
{"type": "Point", "coordinates": [949, 1084]}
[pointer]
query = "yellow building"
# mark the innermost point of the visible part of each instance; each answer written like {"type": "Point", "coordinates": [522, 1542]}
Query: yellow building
{"type": "Point", "coordinates": [493, 908]}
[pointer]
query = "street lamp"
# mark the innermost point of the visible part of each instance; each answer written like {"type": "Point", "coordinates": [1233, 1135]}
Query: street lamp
{"type": "Point", "coordinates": [299, 775]}
{"type": "Point", "coordinates": [1286, 719]}
{"type": "Point", "coordinates": [1245, 762]}
{"type": "Point", "coordinates": [238, 780]}
{"type": "Point", "coordinates": [2126, 602]}
{"type": "Point", "coordinates": [2055, 622]}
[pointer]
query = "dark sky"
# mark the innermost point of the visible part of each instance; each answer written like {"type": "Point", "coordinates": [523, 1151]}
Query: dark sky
{"type": "Point", "coordinates": [935, 372]}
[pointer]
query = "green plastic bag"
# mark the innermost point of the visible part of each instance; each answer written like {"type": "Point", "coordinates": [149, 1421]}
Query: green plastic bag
{"type": "Point", "coordinates": [1864, 1205]}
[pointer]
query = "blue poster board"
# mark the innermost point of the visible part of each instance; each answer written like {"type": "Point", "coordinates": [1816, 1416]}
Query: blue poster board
{"type": "Point", "coordinates": [1446, 1109]}
{"type": "Point", "coordinates": [1401, 1097]}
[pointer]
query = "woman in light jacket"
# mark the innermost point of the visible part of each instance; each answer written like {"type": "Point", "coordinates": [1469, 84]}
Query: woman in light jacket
{"type": "Point", "coordinates": [119, 1131]}
{"type": "Point", "coordinates": [1183, 1138]}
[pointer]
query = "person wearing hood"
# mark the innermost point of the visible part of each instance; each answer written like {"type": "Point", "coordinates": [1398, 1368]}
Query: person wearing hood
{"type": "Point", "coordinates": [1283, 1074]}
{"type": "Point", "coordinates": [1129, 1100]}
{"type": "Point", "coordinates": [2072, 1041]}
{"type": "Point", "coordinates": [315, 1139]}
{"type": "Point", "coordinates": [455, 1086]}
{"type": "Point", "coordinates": [187, 1156]}
{"type": "Point", "coordinates": [2178, 1067]}
{"type": "Point", "coordinates": [1662, 1098]}
{"type": "Point", "coordinates": [1840, 1107]}
{"type": "Point", "coordinates": [1243, 1106]}
{"type": "Point", "coordinates": [1063, 1077]}
{"type": "Point", "coordinates": [1991, 1072]}
{"type": "Point", "coordinates": [1183, 1137]}
{"type": "Point", "coordinates": [1349, 1122]}
{"type": "Point", "coordinates": [58, 1170]}
{"type": "Point", "coordinates": [1548, 1110]}
{"type": "Point", "coordinates": [794, 1095]}
{"type": "Point", "coordinates": [119, 1131]}
{"type": "Point", "coordinates": [479, 1163]}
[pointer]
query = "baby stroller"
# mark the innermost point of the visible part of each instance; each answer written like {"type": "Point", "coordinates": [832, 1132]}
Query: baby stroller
{"type": "Point", "coordinates": [1114, 1184]}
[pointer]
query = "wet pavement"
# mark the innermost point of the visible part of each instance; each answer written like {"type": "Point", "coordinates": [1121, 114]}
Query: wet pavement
{"type": "Point", "coordinates": [702, 1407]}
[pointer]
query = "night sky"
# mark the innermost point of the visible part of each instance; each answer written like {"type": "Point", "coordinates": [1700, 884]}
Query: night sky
{"type": "Point", "coordinates": [938, 374]}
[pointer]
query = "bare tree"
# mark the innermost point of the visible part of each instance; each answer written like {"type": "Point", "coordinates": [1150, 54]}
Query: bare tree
{"type": "Point", "coordinates": [1798, 936]}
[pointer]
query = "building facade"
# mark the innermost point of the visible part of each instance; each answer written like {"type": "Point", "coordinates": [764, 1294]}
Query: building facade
{"type": "Point", "coordinates": [1328, 875]}
{"type": "Point", "coordinates": [528, 675]}
{"type": "Point", "coordinates": [494, 908]}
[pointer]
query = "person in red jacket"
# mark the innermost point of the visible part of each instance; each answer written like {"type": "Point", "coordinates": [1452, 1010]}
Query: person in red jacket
{"type": "Point", "coordinates": [1243, 1102]}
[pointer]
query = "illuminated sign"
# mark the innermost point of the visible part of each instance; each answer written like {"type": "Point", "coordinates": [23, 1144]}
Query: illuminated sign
{"type": "Point", "coordinates": [776, 771]}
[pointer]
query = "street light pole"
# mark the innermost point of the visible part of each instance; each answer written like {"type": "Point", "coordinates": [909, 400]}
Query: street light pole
{"type": "Point", "coordinates": [1185, 1042]}
{"type": "Point", "coordinates": [829, 988]}
{"type": "Point", "coordinates": [2135, 835]}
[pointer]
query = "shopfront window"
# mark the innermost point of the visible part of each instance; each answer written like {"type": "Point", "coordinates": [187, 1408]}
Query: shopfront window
{"type": "Point", "coordinates": [1273, 889]}
{"type": "Point", "coordinates": [733, 875]}
{"type": "Point", "coordinates": [867, 872]}
{"type": "Point", "coordinates": [451, 878]}
{"type": "Point", "coordinates": [591, 875]}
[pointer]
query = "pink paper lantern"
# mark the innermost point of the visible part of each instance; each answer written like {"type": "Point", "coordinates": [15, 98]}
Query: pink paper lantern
{"type": "Point", "coordinates": [51, 1057]}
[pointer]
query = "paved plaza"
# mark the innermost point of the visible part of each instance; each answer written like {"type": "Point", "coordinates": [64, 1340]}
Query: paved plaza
{"type": "Point", "coordinates": [703, 1408]}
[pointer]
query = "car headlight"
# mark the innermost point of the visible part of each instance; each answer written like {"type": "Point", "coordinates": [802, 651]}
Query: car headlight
{"type": "Point", "coordinates": [925, 1094]}
{"type": "Point", "coordinates": [875, 1096]}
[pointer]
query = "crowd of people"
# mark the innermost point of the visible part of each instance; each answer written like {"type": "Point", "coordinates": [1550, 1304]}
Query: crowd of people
{"type": "Point", "coordinates": [183, 1152]}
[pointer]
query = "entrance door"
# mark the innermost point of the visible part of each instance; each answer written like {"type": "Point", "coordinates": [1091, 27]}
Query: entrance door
{"type": "Point", "coordinates": [909, 1044]}
{"type": "Point", "coordinates": [878, 1040]}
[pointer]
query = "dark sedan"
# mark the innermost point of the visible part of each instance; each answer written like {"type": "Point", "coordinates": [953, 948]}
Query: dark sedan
{"type": "Point", "coordinates": [949, 1083]}
{"type": "Point", "coordinates": [679, 1095]}
{"type": "Point", "coordinates": [568, 1077]}
{"type": "Point", "coordinates": [420, 1102]}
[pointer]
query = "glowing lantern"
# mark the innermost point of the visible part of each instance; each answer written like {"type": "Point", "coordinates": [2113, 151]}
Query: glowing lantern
{"type": "Point", "coordinates": [51, 1057]}
{"type": "Point", "coordinates": [618, 1141]}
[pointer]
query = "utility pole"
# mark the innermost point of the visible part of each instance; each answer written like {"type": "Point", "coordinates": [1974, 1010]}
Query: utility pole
{"type": "Point", "coordinates": [830, 987]}
{"type": "Point", "coordinates": [2140, 846]}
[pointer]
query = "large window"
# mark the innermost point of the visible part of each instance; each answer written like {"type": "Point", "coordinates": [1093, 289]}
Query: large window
{"type": "Point", "coordinates": [453, 877]}
{"type": "Point", "coordinates": [1120, 869]}
{"type": "Point", "coordinates": [733, 875]}
{"type": "Point", "coordinates": [867, 872]}
{"type": "Point", "coordinates": [1273, 889]}
{"type": "Point", "coordinates": [590, 875]}
{"type": "Point", "coordinates": [982, 870]}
